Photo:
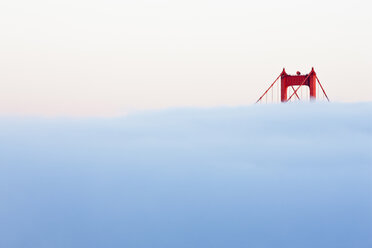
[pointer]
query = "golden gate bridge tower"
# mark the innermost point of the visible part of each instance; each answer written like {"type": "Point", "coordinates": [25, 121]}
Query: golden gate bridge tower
{"type": "Point", "coordinates": [292, 88]}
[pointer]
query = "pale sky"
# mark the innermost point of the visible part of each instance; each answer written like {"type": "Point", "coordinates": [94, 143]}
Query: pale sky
{"type": "Point", "coordinates": [108, 58]}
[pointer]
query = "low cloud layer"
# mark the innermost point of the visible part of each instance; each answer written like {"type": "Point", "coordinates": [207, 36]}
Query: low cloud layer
{"type": "Point", "coordinates": [293, 175]}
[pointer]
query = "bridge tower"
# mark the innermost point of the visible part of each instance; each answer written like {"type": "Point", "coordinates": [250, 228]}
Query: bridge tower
{"type": "Point", "coordinates": [294, 83]}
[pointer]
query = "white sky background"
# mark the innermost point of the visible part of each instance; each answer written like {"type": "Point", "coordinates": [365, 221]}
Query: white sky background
{"type": "Point", "coordinates": [103, 58]}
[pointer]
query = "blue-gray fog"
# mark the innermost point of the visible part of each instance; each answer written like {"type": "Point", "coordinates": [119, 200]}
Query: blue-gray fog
{"type": "Point", "coordinates": [294, 175]}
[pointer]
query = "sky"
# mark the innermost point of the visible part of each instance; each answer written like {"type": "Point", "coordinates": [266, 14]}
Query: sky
{"type": "Point", "coordinates": [108, 58]}
{"type": "Point", "coordinates": [290, 175]}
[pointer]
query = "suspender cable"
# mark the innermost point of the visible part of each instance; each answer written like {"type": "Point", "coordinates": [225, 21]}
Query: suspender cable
{"type": "Point", "coordinates": [322, 88]}
{"type": "Point", "coordinates": [269, 88]}
{"type": "Point", "coordinates": [277, 92]}
{"type": "Point", "coordinates": [317, 90]}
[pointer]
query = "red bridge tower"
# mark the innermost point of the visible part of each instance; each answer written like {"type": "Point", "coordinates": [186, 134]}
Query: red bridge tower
{"type": "Point", "coordinates": [289, 81]}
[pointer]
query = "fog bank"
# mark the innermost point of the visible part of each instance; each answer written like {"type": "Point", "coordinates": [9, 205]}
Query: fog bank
{"type": "Point", "coordinates": [290, 175]}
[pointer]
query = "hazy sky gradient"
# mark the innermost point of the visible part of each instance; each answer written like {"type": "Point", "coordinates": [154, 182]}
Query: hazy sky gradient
{"type": "Point", "coordinates": [97, 58]}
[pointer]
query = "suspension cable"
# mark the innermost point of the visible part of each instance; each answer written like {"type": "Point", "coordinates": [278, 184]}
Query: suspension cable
{"type": "Point", "coordinates": [269, 88]}
{"type": "Point", "coordinates": [322, 87]}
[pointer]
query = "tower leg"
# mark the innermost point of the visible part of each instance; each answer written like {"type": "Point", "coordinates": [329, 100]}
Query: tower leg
{"type": "Point", "coordinates": [312, 85]}
{"type": "Point", "coordinates": [283, 89]}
